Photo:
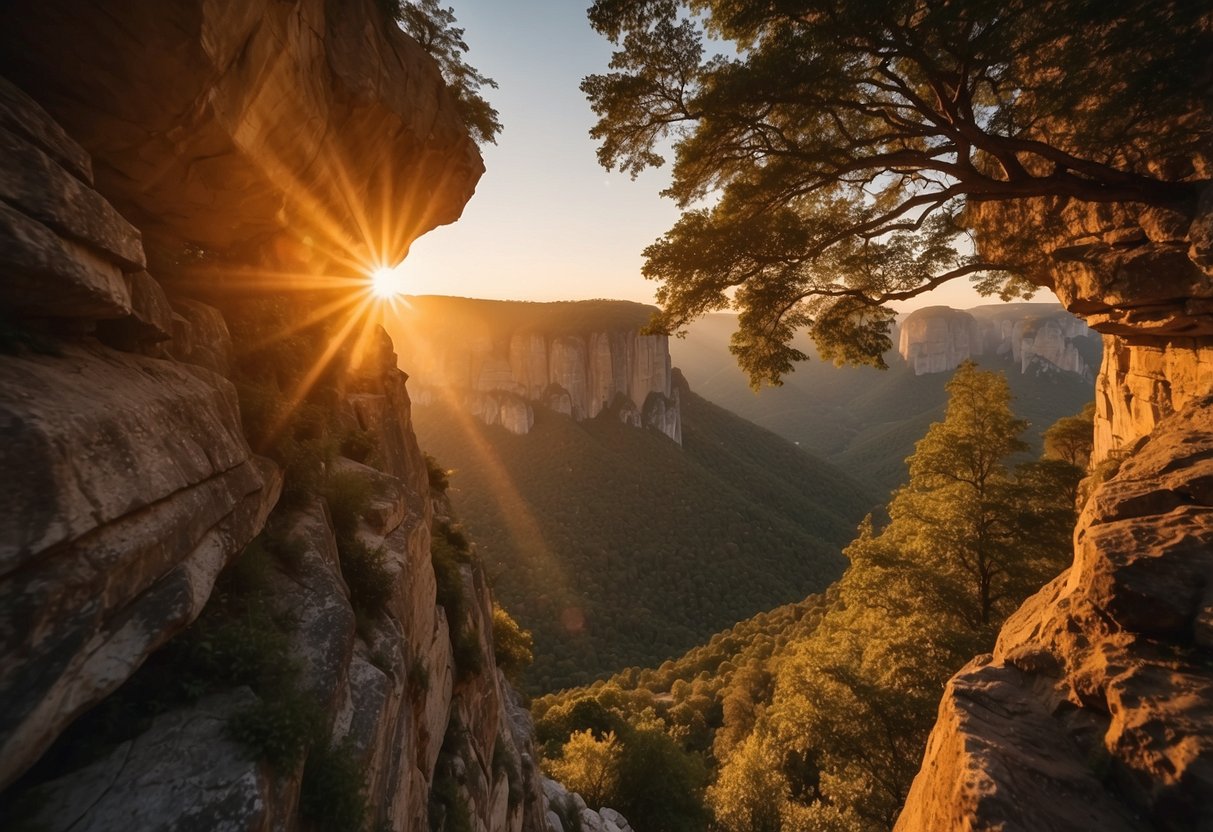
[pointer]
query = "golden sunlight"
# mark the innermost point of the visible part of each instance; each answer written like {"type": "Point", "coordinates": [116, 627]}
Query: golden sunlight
{"type": "Point", "coordinates": [386, 283]}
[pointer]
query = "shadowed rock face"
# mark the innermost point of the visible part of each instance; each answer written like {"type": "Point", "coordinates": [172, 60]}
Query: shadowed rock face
{"type": "Point", "coordinates": [220, 124]}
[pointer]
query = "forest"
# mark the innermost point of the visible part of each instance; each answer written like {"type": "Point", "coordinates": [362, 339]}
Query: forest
{"type": "Point", "coordinates": [615, 547]}
{"type": "Point", "coordinates": [814, 715]}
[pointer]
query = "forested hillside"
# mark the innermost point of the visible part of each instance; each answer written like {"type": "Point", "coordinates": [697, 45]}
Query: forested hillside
{"type": "Point", "coordinates": [814, 715]}
{"type": "Point", "coordinates": [617, 548]}
{"type": "Point", "coordinates": [862, 419]}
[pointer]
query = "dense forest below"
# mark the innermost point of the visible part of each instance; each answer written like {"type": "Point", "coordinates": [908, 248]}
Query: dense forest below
{"type": "Point", "coordinates": [616, 547]}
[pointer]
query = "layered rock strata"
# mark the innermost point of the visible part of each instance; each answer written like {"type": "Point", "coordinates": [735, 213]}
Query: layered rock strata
{"type": "Point", "coordinates": [1037, 337]}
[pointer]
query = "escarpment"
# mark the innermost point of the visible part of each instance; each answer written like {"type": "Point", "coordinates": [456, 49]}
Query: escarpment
{"type": "Point", "coordinates": [1094, 710]}
{"type": "Point", "coordinates": [229, 596]}
{"type": "Point", "coordinates": [1038, 337]}
{"type": "Point", "coordinates": [498, 359]}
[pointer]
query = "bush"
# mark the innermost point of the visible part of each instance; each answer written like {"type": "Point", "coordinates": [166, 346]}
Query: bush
{"type": "Point", "coordinates": [331, 796]}
{"type": "Point", "coordinates": [367, 576]}
{"type": "Point", "coordinates": [465, 649]}
{"type": "Point", "coordinates": [279, 729]}
{"type": "Point", "coordinates": [512, 645]}
{"type": "Point", "coordinates": [439, 477]}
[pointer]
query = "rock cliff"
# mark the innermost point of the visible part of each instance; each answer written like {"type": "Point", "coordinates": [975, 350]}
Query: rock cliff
{"type": "Point", "coordinates": [498, 359]}
{"type": "Point", "coordinates": [195, 635]}
{"type": "Point", "coordinates": [1094, 710]}
{"type": "Point", "coordinates": [1039, 337]}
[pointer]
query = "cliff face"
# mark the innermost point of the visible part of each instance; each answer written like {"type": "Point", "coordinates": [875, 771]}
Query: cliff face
{"type": "Point", "coordinates": [497, 373]}
{"type": "Point", "coordinates": [130, 492]}
{"type": "Point", "coordinates": [1094, 710]}
{"type": "Point", "coordinates": [1038, 337]}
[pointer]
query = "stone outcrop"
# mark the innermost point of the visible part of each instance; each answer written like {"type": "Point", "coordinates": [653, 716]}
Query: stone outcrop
{"type": "Point", "coordinates": [133, 145]}
{"type": "Point", "coordinates": [1094, 710]}
{"type": "Point", "coordinates": [1039, 337]}
{"type": "Point", "coordinates": [566, 810]}
{"type": "Point", "coordinates": [499, 375]}
{"type": "Point", "coordinates": [128, 483]}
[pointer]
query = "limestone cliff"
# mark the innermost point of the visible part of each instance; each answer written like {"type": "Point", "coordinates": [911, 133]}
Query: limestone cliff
{"type": "Point", "coordinates": [1094, 710]}
{"type": "Point", "coordinates": [498, 359]}
{"type": "Point", "coordinates": [1039, 337]}
{"type": "Point", "coordinates": [162, 171]}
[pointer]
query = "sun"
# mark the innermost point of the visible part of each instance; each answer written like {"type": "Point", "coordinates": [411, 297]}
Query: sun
{"type": "Point", "coordinates": [386, 283]}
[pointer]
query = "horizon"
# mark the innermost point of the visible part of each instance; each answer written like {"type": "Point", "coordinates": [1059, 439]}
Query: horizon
{"type": "Point", "coordinates": [584, 228]}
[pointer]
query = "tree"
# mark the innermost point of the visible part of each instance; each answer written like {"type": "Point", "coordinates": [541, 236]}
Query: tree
{"type": "Point", "coordinates": [959, 500]}
{"type": "Point", "coordinates": [1072, 438]}
{"type": "Point", "coordinates": [969, 538]}
{"type": "Point", "coordinates": [589, 766]}
{"type": "Point", "coordinates": [823, 168]}
{"type": "Point", "coordinates": [433, 26]}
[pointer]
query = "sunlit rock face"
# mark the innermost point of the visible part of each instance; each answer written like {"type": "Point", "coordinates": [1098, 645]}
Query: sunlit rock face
{"type": "Point", "coordinates": [459, 350]}
{"type": "Point", "coordinates": [1094, 711]}
{"type": "Point", "coordinates": [1040, 337]}
{"type": "Point", "coordinates": [128, 483]}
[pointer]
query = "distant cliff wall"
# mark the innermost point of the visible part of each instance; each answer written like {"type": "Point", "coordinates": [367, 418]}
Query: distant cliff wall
{"type": "Point", "coordinates": [499, 376]}
{"type": "Point", "coordinates": [937, 339]}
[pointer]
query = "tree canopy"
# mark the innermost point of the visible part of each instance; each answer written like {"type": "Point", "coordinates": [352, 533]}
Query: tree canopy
{"type": "Point", "coordinates": [823, 162]}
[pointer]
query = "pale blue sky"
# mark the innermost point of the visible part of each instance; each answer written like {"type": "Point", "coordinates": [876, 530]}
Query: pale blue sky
{"type": "Point", "coordinates": [547, 222]}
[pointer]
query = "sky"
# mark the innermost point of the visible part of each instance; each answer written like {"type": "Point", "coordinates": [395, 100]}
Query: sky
{"type": "Point", "coordinates": [547, 222]}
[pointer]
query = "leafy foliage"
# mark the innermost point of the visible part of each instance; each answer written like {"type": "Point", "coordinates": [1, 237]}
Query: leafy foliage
{"type": "Point", "coordinates": [733, 523]}
{"type": "Point", "coordinates": [433, 26]}
{"type": "Point", "coordinates": [513, 647]}
{"type": "Point", "coordinates": [349, 495]}
{"type": "Point", "coordinates": [824, 166]}
{"type": "Point", "coordinates": [814, 715]}
{"type": "Point", "coordinates": [589, 765]}
{"type": "Point", "coordinates": [1071, 439]}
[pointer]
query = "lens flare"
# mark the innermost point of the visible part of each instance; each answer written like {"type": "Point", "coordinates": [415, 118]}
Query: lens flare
{"type": "Point", "coordinates": [386, 283]}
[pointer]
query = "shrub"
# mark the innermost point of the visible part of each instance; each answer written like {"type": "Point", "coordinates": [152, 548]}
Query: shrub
{"type": "Point", "coordinates": [279, 729]}
{"type": "Point", "coordinates": [331, 796]}
{"type": "Point", "coordinates": [512, 645]}
{"type": "Point", "coordinates": [439, 477]}
{"type": "Point", "coordinates": [465, 648]}
{"type": "Point", "coordinates": [348, 495]}
{"type": "Point", "coordinates": [367, 576]}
